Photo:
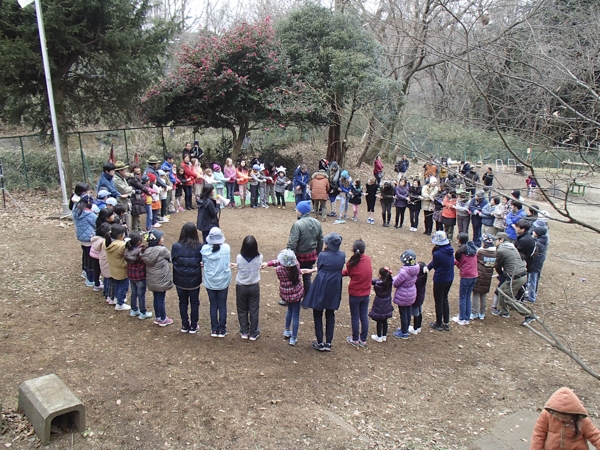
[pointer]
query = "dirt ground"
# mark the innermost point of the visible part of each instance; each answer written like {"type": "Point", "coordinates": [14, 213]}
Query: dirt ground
{"type": "Point", "coordinates": [146, 387]}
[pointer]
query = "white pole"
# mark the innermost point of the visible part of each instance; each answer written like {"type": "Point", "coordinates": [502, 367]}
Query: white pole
{"type": "Point", "coordinates": [61, 169]}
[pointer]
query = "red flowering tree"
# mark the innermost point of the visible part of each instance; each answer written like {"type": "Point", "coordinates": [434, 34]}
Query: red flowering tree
{"type": "Point", "coordinates": [235, 81]}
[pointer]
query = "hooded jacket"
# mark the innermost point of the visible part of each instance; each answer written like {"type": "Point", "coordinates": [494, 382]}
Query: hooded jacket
{"type": "Point", "coordinates": [443, 264]}
{"type": "Point", "coordinates": [217, 272]}
{"type": "Point", "coordinates": [509, 262]}
{"type": "Point", "coordinates": [208, 214]}
{"type": "Point", "coordinates": [466, 260]}
{"type": "Point", "coordinates": [549, 433]}
{"type": "Point", "coordinates": [539, 253]}
{"type": "Point", "coordinates": [319, 186]}
{"type": "Point", "coordinates": [85, 224]}
{"type": "Point", "coordinates": [158, 272]}
{"type": "Point", "coordinates": [405, 284]}
{"type": "Point", "coordinates": [486, 259]}
{"type": "Point", "coordinates": [116, 262]}
{"type": "Point", "coordinates": [98, 246]}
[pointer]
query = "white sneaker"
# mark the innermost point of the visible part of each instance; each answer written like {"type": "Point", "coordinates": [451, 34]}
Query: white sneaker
{"type": "Point", "coordinates": [156, 225]}
{"type": "Point", "coordinates": [411, 330]}
{"type": "Point", "coordinates": [123, 307]}
{"type": "Point", "coordinates": [384, 338]}
{"type": "Point", "coordinates": [376, 338]}
{"type": "Point", "coordinates": [456, 319]}
{"type": "Point", "coordinates": [463, 322]}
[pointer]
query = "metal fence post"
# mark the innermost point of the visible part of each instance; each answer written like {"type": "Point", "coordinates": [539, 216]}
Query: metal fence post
{"type": "Point", "coordinates": [24, 162]}
{"type": "Point", "coordinates": [126, 149]}
{"type": "Point", "coordinates": [82, 157]}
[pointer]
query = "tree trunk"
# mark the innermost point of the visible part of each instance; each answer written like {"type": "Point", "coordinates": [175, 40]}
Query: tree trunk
{"type": "Point", "coordinates": [238, 138]}
{"type": "Point", "coordinates": [334, 147]}
{"type": "Point", "coordinates": [61, 121]}
{"type": "Point", "coordinates": [370, 134]}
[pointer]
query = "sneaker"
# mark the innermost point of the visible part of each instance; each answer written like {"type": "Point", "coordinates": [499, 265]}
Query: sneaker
{"type": "Point", "coordinates": [265, 206]}
{"type": "Point", "coordinates": [283, 207]}
{"type": "Point", "coordinates": [279, 207]}
{"type": "Point", "coordinates": [411, 330]}
{"type": "Point", "coordinates": [435, 326]}
{"type": "Point", "coordinates": [362, 344]}
{"type": "Point", "coordinates": [287, 334]}
{"type": "Point", "coordinates": [99, 288]}
{"type": "Point", "coordinates": [481, 316]}
{"type": "Point", "coordinates": [474, 316]}
{"type": "Point", "coordinates": [84, 274]}
{"type": "Point", "coordinates": [384, 338]}
{"type": "Point", "coordinates": [253, 338]}
{"type": "Point", "coordinates": [108, 300]}
{"type": "Point", "coordinates": [156, 321]}
{"type": "Point", "coordinates": [446, 327]}
{"type": "Point", "coordinates": [340, 221]}
{"type": "Point", "coordinates": [181, 209]}
{"type": "Point", "coordinates": [376, 338]}
{"type": "Point", "coordinates": [123, 307]}
{"type": "Point", "coordinates": [401, 335]}
{"type": "Point", "coordinates": [355, 219]}
{"type": "Point", "coordinates": [326, 348]}
{"type": "Point", "coordinates": [243, 336]}
{"type": "Point", "coordinates": [293, 341]}
{"type": "Point", "coordinates": [222, 334]}
{"type": "Point", "coordinates": [317, 346]}
{"type": "Point", "coordinates": [463, 322]}
{"type": "Point", "coordinates": [185, 328]}
{"type": "Point", "coordinates": [528, 319]}
{"type": "Point", "coordinates": [215, 334]}
{"type": "Point", "coordinates": [145, 315]}
{"type": "Point", "coordinates": [90, 283]}
{"type": "Point", "coordinates": [164, 323]}
{"type": "Point", "coordinates": [350, 341]}
{"type": "Point", "coordinates": [194, 330]}
{"type": "Point", "coordinates": [456, 319]}
{"type": "Point", "coordinates": [134, 312]}
{"type": "Point", "coordinates": [282, 303]}
{"type": "Point", "coordinates": [501, 314]}
{"type": "Point", "coordinates": [331, 214]}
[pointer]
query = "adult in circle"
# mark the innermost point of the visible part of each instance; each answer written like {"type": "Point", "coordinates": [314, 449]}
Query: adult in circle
{"type": "Point", "coordinates": [443, 263]}
{"type": "Point", "coordinates": [325, 293]}
{"type": "Point", "coordinates": [306, 241]}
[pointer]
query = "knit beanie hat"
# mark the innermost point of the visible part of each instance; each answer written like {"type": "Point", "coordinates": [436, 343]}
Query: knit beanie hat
{"type": "Point", "coordinates": [304, 207]}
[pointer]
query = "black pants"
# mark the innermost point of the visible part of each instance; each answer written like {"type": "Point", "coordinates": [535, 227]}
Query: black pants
{"type": "Point", "coordinates": [386, 212]}
{"type": "Point", "coordinates": [414, 217]}
{"type": "Point", "coordinates": [382, 327]}
{"type": "Point", "coordinates": [254, 195]}
{"type": "Point", "coordinates": [400, 215]}
{"type": "Point", "coordinates": [329, 324]}
{"type": "Point", "coordinates": [187, 190]}
{"type": "Point", "coordinates": [428, 215]}
{"type": "Point", "coordinates": [440, 295]}
{"type": "Point", "coordinates": [280, 196]}
{"type": "Point", "coordinates": [418, 320]}
{"type": "Point", "coordinates": [163, 207]}
{"type": "Point", "coordinates": [306, 277]}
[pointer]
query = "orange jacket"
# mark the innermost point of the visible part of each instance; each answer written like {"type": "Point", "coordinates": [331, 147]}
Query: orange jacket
{"type": "Point", "coordinates": [448, 211]}
{"type": "Point", "coordinates": [319, 187]}
{"type": "Point", "coordinates": [549, 433]}
{"type": "Point", "coordinates": [242, 176]}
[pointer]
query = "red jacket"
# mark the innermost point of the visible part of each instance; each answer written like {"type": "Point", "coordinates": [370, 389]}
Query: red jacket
{"type": "Point", "coordinates": [360, 277]}
{"type": "Point", "coordinates": [190, 175]}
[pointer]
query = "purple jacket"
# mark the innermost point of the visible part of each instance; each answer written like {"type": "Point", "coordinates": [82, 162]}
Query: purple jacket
{"type": "Point", "coordinates": [404, 282]}
{"type": "Point", "coordinates": [401, 196]}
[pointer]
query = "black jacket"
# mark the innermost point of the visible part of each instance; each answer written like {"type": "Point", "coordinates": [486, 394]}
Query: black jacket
{"type": "Point", "coordinates": [539, 254]}
{"type": "Point", "coordinates": [187, 273]}
{"type": "Point", "coordinates": [525, 244]}
{"type": "Point", "coordinates": [208, 214]}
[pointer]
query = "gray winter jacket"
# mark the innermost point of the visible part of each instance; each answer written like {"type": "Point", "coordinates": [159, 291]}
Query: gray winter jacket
{"type": "Point", "coordinates": [158, 271]}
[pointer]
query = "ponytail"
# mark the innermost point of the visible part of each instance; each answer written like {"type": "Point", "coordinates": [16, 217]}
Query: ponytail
{"type": "Point", "coordinates": [359, 248]}
{"type": "Point", "coordinates": [386, 278]}
{"type": "Point", "coordinates": [134, 239]}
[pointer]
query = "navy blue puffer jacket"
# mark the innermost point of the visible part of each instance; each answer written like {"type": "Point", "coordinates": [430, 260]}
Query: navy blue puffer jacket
{"type": "Point", "coordinates": [187, 273]}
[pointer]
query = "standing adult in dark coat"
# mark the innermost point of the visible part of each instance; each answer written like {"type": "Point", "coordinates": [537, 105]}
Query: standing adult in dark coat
{"type": "Point", "coordinates": [325, 293]}
{"type": "Point", "coordinates": [208, 211]}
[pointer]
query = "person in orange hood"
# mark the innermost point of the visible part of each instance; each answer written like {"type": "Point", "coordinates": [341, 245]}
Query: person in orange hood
{"type": "Point", "coordinates": [564, 424]}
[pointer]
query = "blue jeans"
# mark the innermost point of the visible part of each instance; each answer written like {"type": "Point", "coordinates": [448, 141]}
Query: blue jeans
{"type": "Point", "coordinates": [160, 308]}
{"type": "Point", "coordinates": [108, 291]}
{"type": "Point", "coordinates": [292, 317]}
{"type": "Point", "coordinates": [121, 288]}
{"type": "Point", "coordinates": [218, 310]}
{"type": "Point", "coordinates": [359, 310]}
{"type": "Point", "coordinates": [464, 295]}
{"type": "Point", "coordinates": [148, 217]}
{"type": "Point", "coordinates": [533, 279]}
{"type": "Point", "coordinates": [191, 297]}
{"type": "Point", "coordinates": [343, 210]}
{"type": "Point", "coordinates": [230, 191]}
{"type": "Point", "coordinates": [138, 296]}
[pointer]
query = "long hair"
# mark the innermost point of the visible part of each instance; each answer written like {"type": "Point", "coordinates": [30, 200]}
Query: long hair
{"type": "Point", "coordinates": [293, 274]}
{"type": "Point", "coordinates": [134, 239]}
{"type": "Point", "coordinates": [358, 248]}
{"type": "Point", "coordinates": [207, 188]}
{"type": "Point", "coordinates": [115, 232]}
{"type": "Point", "coordinates": [386, 278]}
{"type": "Point", "coordinates": [249, 248]}
{"type": "Point", "coordinates": [189, 235]}
{"type": "Point", "coordinates": [103, 216]}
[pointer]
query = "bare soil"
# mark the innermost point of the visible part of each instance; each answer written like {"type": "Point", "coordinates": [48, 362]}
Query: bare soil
{"type": "Point", "coordinates": [146, 387]}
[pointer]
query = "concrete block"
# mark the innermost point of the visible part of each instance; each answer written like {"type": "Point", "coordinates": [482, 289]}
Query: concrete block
{"type": "Point", "coordinates": [46, 399]}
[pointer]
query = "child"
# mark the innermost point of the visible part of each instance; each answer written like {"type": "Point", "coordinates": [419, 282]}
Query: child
{"type": "Point", "coordinates": [155, 205]}
{"type": "Point", "coordinates": [382, 308]}
{"type": "Point", "coordinates": [217, 277]}
{"type": "Point", "coordinates": [80, 190]}
{"type": "Point", "coordinates": [280, 184]}
{"type": "Point", "coordinates": [187, 275]}
{"type": "Point", "coordinates": [85, 224]}
{"type": "Point", "coordinates": [119, 217]}
{"type": "Point", "coordinates": [344, 187]}
{"type": "Point", "coordinates": [486, 259]}
{"type": "Point", "coordinates": [360, 271]}
{"type": "Point", "coordinates": [146, 182]}
{"type": "Point", "coordinates": [229, 173]}
{"type": "Point", "coordinates": [291, 290]}
{"type": "Point", "coordinates": [158, 274]}
{"type": "Point", "coordinates": [163, 194]}
{"type": "Point", "coordinates": [371, 195]}
{"type": "Point", "coordinates": [262, 187]}
{"type": "Point", "coordinates": [181, 180]}
{"type": "Point", "coordinates": [325, 294]}
{"type": "Point", "coordinates": [564, 423]}
{"type": "Point", "coordinates": [95, 249]}
{"type": "Point", "coordinates": [417, 307]}
{"type": "Point", "coordinates": [242, 179]}
{"type": "Point", "coordinates": [115, 250]}
{"type": "Point", "coordinates": [208, 176]}
{"type": "Point", "coordinates": [466, 260]}
{"type": "Point", "coordinates": [208, 211]}
{"type": "Point", "coordinates": [98, 245]}
{"type": "Point", "coordinates": [101, 197]}
{"type": "Point", "coordinates": [271, 175]}
{"type": "Point", "coordinates": [219, 179]}
{"type": "Point", "coordinates": [355, 200]}
{"type": "Point", "coordinates": [254, 182]}
{"type": "Point", "coordinates": [386, 195]}
{"type": "Point", "coordinates": [406, 291]}
{"type": "Point", "coordinates": [247, 288]}
{"type": "Point", "coordinates": [136, 273]}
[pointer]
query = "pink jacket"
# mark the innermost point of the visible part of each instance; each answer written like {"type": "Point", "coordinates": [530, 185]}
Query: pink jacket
{"type": "Point", "coordinates": [229, 173]}
{"type": "Point", "coordinates": [467, 266]}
